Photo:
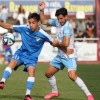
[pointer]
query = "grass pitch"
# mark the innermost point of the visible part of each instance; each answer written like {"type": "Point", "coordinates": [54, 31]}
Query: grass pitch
{"type": "Point", "coordinates": [16, 84]}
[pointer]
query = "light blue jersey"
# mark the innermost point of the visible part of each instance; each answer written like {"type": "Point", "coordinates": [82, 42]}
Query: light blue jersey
{"type": "Point", "coordinates": [32, 43]}
{"type": "Point", "coordinates": [62, 60]}
{"type": "Point", "coordinates": [64, 31]}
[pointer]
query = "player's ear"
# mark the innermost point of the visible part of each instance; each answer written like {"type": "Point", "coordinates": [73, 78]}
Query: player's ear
{"type": "Point", "coordinates": [66, 17]}
{"type": "Point", "coordinates": [39, 22]}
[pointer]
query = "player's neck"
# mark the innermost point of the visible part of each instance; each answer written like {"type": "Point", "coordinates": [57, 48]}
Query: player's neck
{"type": "Point", "coordinates": [37, 29]}
{"type": "Point", "coordinates": [65, 23]}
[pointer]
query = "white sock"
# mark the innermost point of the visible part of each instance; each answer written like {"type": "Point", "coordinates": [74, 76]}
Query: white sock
{"type": "Point", "coordinates": [52, 82]}
{"type": "Point", "coordinates": [3, 80]}
{"type": "Point", "coordinates": [82, 85]}
{"type": "Point", "coordinates": [28, 92]}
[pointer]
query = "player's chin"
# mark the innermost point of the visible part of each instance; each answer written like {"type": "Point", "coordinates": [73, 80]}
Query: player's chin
{"type": "Point", "coordinates": [61, 24]}
{"type": "Point", "coordinates": [32, 29]}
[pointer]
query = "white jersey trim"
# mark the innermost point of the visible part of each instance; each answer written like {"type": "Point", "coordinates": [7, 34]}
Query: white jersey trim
{"type": "Point", "coordinates": [20, 26]}
{"type": "Point", "coordinates": [46, 34]}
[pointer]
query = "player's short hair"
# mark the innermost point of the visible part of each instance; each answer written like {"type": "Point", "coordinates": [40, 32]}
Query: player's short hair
{"type": "Point", "coordinates": [61, 11]}
{"type": "Point", "coordinates": [34, 16]}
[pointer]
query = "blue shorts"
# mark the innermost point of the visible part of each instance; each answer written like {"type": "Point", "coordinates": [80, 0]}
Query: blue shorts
{"type": "Point", "coordinates": [27, 61]}
{"type": "Point", "coordinates": [60, 63]}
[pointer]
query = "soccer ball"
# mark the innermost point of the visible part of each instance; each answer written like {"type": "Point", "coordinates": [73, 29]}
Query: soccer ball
{"type": "Point", "coordinates": [8, 39]}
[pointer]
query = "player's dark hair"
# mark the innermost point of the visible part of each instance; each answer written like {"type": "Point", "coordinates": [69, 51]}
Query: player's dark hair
{"type": "Point", "coordinates": [61, 11]}
{"type": "Point", "coordinates": [34, 16]}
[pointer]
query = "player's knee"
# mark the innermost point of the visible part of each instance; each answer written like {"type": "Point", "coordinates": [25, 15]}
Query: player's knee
{"type": "Point", "coordinates": [72, 77]}
{"type": "Point", "coordinates": [48, 75]}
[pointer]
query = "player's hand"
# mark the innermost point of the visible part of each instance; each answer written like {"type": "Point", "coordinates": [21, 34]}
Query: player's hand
{"type": "Point", "coordinates": [55, 43]}
{"type": "Point", "coordinates": [42, 5]}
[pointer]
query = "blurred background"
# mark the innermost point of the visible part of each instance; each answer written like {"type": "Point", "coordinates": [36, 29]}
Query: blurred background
{"type": "Point", "coordinates": [83, 15]}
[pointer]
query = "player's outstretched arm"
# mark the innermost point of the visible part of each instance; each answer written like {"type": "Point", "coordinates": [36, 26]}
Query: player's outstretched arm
{"type": "Point", "coordinates": [6, 25]}
{"type": "Point", "coordinates": [43, 19]}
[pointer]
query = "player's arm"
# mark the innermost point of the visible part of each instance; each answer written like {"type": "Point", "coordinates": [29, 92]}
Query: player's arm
{"type": "Point", "coordinates": [67, 33]}
{"type": "Point", "coordinates": [43, 19]}
{"type": "Point", "coordinates": [59, 45]}
{"type": "Point", "coordinates": [6, 25]}
{"type": "Point", "coordinates": [65, 42]}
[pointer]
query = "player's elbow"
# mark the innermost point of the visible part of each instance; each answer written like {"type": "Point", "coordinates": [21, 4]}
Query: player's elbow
{"type": "Point", "coordinates": [54, 45]}
{"type": "Point", "coordinates": [44, 22]}
{"type": "Point", "coordinates": [65, 44]}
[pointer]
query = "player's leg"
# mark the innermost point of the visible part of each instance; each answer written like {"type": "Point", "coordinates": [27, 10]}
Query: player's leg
{"type": "Point", "coordinates": [51, 78]}
{"type": "Point", "coordinates": [73, 76]}
{"type": "Point", "coordinates": [30, 67]}
{"type": "Point", "coordinates": [72, 66]}
{"type": "Point", "coordinates": [7, 72]}
{"type": "Point", "coordinates": [16, 61]}
{"type": "Point", "coordinates": [52, 81]}
{"type": "Point", "coordinates": [30, 82]}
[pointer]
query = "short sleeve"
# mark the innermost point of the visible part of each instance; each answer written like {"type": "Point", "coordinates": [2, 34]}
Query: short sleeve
{"type": "Point", "coordinates": [67, 31]}
{"type": "Point", "coordinates": [48, 38]}
{"type": "Point", "coordinates": [18, 28]}
{"type": "Point", "coordinates": [52, 22]}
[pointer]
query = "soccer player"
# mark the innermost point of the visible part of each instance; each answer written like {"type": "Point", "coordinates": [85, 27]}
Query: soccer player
{"type": "Point", "coordinates": [65, 39]}
{"type": "Point", "coordinates": [33, 38]}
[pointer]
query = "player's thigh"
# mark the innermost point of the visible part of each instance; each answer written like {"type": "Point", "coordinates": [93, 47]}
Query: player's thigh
{"type": "Point", "coordinates": [70, 63]}
{"type": "Point", "coordinates": [17, 58]}
{"type": "Point", "coordinates": [57, 63]}
{"type": "Point", "coordinates": [29, 62]}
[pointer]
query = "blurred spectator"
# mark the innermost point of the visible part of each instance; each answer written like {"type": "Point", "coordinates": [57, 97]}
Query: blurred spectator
{"type": "Point", "coordinates": [75, 33]}
{"type": "Point", "coordinates": [74, 26]}
{"type": "Point", "coordinates": [2, 59]}
{"type": "Point", "coordinates": [81, 35]}
{"type": "Point", "coordinates": [73, 23]}
{"type": "Point", "coordinates": [26, 16]}
{"type": "Point", "coordinates": [8, 54]}
{"type": "Point", "coordinates": [21, 15]}
{"type": "Point", "coordinates": [90, 28]}
{"type": "Point", "coordinates": [81, 26]}
{"type": "Point", "coordinates": [4, 13]}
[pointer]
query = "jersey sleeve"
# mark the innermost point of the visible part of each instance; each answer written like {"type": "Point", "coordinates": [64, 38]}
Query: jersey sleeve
{"type": "Point", "coordinates": [67, 31]}
{"type": "Point", "coordinates": [18, 28]}
{"type": "Point", "coordinates": [52, 22]}
{"type": "Point", "coordinates": [48, 38]}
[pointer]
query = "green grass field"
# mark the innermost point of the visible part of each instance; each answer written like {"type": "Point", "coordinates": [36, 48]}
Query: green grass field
{"type": "Point", "coordinates": [15, 86]}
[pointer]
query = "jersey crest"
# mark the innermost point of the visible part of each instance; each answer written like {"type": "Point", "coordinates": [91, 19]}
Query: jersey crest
{"type": "Point", "coordinates": [38, 38]}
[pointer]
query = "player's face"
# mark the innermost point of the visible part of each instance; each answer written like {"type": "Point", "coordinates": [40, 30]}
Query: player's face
{"type": "Point", "coordinates": [62, 19]}
{"type": "Point", "coordinates": [34, 25]}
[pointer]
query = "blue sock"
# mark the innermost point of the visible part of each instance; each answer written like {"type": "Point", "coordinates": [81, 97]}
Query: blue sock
{"type": "Point", "coordinates": [30, 83]}
{"type": "Point", "coordinates": [6, 74]}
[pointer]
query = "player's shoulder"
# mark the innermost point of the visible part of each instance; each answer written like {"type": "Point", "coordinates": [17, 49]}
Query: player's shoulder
{"type": "Point", "coordinates": [42, 32]}
{"type": "Point", "coordinates": [68, 25]}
